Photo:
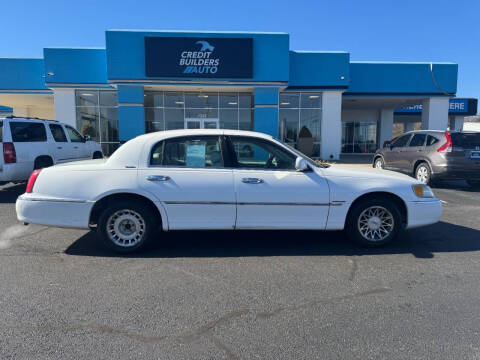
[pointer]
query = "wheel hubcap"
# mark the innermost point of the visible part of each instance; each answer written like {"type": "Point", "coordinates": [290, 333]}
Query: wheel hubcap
{"type": "Point", "coordinates": [422, 174]}
{"type": "Point", "coordinates": [126, 228]}
{"type": "Point", "coordinates": [375, 223]}
{"type": "Point", "coordinates": [378, 164]}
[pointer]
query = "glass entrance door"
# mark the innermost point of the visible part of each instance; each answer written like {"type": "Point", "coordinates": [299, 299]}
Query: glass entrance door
{"type": "Point", "coordinates": [201, 123]}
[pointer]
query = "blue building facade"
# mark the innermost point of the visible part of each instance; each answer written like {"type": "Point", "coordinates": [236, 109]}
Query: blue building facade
{"type": "Point", "coordinates": [319, 101]}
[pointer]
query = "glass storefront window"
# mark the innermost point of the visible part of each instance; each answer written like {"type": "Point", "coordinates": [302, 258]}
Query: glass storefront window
{"type": "Point", "coordinates": [97, 116]}
{"type": "Point", "coordinates": [170, 110]}
{"type": "Point", "coordinates": [300, 121]}
{"type": "Point", "coordinates": [359, 137]}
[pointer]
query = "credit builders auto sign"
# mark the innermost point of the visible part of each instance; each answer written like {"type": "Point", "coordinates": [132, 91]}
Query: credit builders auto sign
{"type": "Point", "coordinates": [198, 57]}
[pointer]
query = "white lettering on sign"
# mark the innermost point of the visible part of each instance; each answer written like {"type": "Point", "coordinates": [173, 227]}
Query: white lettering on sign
{"type": "Point", "coordinates": [199, 62]}
{"type": "Point", "coordinates": [457, 106]}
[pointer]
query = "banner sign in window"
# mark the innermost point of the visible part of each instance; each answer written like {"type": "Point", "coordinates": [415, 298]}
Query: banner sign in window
{"type": "Point", "coordinates": [199, 57]}
{"type": "Point", "coordinates": [196, 155]}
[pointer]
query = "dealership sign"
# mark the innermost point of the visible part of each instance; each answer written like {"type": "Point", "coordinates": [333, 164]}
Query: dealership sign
{"type": "Point", "coordinates": [456, 106]}
{"type": "Point", "coordinates": [199, 57]}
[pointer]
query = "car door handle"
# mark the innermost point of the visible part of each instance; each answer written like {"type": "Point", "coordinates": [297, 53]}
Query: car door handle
{"type": "Point", "coordinates": [75, 147]}
{"type": "Point", "coordinates": [252, 181]}
{"type": "Point", "coordinates": [59, 147]}
{"type": "Point", "coordinates": [158, 178]}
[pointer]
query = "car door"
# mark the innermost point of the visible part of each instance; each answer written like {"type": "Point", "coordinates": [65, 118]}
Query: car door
{"type": "Point", "coordinates": [412, 152]}
{"type": "Point", "coordinates": [271, 194]}
{"type": "Point", "coordinates": [188, 175]}
{"type": "Point", "coordinates": [394, 156]}
{"type": "Point", "coordinates": [80, 148]}
{"type": "Point", "coordinates": [60, 147]}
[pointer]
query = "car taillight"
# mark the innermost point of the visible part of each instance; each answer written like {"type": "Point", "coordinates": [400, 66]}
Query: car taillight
{"type": "Point", "coordinates": [9, 154]}
{"type": "Point", "coordinates": [31, 180]}
{"type": "Point", "coordinates": [447, 147]}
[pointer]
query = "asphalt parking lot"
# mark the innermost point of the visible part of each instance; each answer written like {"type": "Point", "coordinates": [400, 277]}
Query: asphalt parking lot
{"type": "Point", "coordinates": [243, 295]}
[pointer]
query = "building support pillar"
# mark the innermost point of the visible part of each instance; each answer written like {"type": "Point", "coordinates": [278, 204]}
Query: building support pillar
{"type": "Point", "coordinates": [265, 117]}
{"type": "Point", "coordinates": [64, 102]}
{"type": "Point", "coordinates": [456, 122]}
{"type": "Point", "coordinates": [131, 114]}
{"type": "Point", "coordinates": [435, 113]}
{"type": "Point", "coordinates": [331, 125]}
{"type": "Point", "coordinates": [386, 126]}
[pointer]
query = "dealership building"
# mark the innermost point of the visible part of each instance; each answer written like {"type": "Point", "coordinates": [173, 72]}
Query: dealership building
{"type": "Point", "coordinates": [320, 101]}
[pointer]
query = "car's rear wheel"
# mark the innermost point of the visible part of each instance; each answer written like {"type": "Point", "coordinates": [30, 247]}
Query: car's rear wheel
{"type": "Point", "coordinates": [97, 155]}
{"type": "Point", "coordinates": [374, 223]}
{"type": "Point", "coordinates": [379, 163]}
{"type": "Point", "coordinates": [423, 173]}
{"type": "Point", "coordinates": [126, 227]}
{"type": "Point", "coordinates": [474, 183]}
{"type": "Point", "coordinates": [42, 162]}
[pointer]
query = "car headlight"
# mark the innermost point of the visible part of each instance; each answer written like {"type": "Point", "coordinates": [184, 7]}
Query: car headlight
{"type": "Point", "coordinates": [423, 191]}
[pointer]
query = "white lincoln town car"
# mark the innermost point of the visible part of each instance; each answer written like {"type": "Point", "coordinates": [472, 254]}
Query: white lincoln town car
{"type": "Point", "coordinates": [221, 179]}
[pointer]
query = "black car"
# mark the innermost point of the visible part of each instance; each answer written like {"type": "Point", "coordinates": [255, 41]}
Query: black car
{"type": "Point", "coordinates": [430, 155]}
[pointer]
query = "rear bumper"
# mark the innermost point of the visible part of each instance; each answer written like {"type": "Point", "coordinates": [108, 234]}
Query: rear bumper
{"type": "Point", "coordinates": [454, 172]}
{"type": "Point", "coordinates": [53, 212]}
{"type": "Point", "coordinates": [424, 212]}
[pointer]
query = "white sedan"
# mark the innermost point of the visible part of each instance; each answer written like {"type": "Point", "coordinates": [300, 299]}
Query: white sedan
{"type": "Point", "coordinates": [221, 179]}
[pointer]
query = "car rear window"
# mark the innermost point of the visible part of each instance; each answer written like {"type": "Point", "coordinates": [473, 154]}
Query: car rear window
{"type": "Point", "coordinates": [431, 140]}
{"type": "Point", "coordinates": [418, 140]}
{"type": "Point", "coordinates": [466, 140]}
{"type": "Point", "coordinates": [28, 132]}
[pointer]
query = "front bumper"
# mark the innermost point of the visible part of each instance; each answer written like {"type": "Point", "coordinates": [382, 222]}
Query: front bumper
{"type": "Point", "coordinates": [424, 212]}
{"type": "Point", "coordinates": [53, 211]}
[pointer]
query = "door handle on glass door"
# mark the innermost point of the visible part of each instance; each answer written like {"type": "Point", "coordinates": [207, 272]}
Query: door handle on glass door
{"type": "Point", "coordinates": [158, 178]}
{"type": "Point", "coordinates": [252, 181]}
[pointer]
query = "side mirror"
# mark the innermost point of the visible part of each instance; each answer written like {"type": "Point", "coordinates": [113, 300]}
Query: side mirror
{"type": "Point", "coordinates": [87, 137]}
{"type": "Point", "coordinates": [301, 164]}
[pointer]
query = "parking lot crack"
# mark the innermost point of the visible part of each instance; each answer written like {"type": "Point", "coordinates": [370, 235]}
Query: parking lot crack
{"type": "Point", "coordinates": [269, 314]}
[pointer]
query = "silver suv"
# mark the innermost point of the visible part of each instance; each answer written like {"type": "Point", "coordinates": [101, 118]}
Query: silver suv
{"type": "Point", "coordinates": [430, 155]}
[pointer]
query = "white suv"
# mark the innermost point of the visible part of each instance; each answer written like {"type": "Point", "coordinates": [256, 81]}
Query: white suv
{"type": "Point", "coordinates": [30, 144]}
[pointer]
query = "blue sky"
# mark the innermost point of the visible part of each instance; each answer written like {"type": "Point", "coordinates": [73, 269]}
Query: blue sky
{"type": "Point", "coordinates": [402, 30]}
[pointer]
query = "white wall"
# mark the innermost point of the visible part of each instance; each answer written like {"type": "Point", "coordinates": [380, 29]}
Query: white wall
{"type": "Point", "coordinates": [331, 142]}
{"type": "Point", "coordinates": [386, 125]}
{"type": "Point", "coordinates": [435, 113]}
{"type": "Point", "coordinates": [64, 100]}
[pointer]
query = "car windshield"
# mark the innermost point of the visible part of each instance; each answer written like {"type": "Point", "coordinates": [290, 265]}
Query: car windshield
{"type": "Point", "coordinates": [466, 140]}
{"type": "Point", "coordinates": [309, 160]}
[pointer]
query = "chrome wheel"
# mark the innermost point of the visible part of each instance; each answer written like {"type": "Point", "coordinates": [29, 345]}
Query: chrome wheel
{"type": "Point", "coordinates": [422, 174]}
{"type": "Point", "coordinates": [375, 223]}
{"type": "Point", "coordinates": [378, 164]}
{"type": "Point", "coordinates": [126, 228]}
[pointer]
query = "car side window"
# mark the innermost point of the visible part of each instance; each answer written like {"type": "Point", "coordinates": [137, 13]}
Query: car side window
{"type": "Point", "coordinates": [253, 153]}
{"type": "Point", "coordinates": [58, 133]}
{"type": "Point", "coordinates": [28, 131]}
{"type": "Point", "coordinates": [401, 141]}
{"type": "Point", "coordinates": [431, 140]}
{"type": "Point", "coordinates": [74, 134]}
{"type": "Point", "coordinates": [417, 140]}
{"type": "Point", "coordinates": [191, 151]}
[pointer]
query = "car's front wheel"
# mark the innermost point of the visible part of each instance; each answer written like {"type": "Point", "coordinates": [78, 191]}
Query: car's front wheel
{"type": "Point", "coordinates": [126, 227]}
{"type": "Point", "coordinates": [374, 222]}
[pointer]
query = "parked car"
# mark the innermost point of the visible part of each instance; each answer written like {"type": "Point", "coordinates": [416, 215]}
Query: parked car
{"type": "Point", "coordinates": [430, 155]}
{"type": "Point", "coordinates": [30, 144]}
{"type": "Point", "coordinates": [196, 179]}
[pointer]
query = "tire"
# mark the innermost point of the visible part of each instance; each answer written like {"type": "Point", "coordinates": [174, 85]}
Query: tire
{"type": "Point", "coordinates": [97, 155]}
{"type": "Point", "coordinates": [363, 225]}
{"type": "Point", "coordinates": [42, 162]}
{"type": "Point", "coordinates": [423, 173]}
{"type": "Point", "coordinates": [379, 163]}
{"type": "Point", "coordinates": [118, 235]}
{"type": "Point", "coordinates": [475, 184]}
